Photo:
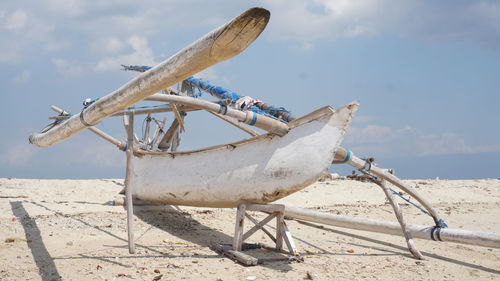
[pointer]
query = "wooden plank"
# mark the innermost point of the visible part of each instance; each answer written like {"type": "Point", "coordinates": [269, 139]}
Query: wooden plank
{"type": "Point", "coordinates": [166, 140]}
{"type": "Point", "coordinates": [266, 208]}
{"type": "Point", "coordinates": [235, 255]}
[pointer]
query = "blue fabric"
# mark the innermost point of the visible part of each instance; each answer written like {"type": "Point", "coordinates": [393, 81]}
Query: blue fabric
{"type": "Point", "coordinates": [217, 91]}
{"type": "Point", "coordinates": [224, 93]}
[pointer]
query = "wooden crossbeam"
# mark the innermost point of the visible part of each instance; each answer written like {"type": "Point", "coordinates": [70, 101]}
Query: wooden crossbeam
{"type": "Point", "coordinates": [260, 225]}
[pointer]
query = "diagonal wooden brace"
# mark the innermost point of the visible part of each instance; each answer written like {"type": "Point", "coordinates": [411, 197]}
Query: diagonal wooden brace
{"type": "Point", "coordinates": [274, 211]}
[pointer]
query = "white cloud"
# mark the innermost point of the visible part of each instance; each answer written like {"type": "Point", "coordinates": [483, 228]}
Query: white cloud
{"type": "Point", "coordinates": [363, 119]}
{"type": "Point", "coordinates": [306, 46]}
{"type": "Point", "coordinates": [99, 153]}
{"type": "Point", "coordinates": [421, 19]}
{"type": "Point", "coordinates": [68, 68]}
{"type": "Point", "coordinates": [108, 45]}
{"type": "Point", "coordinates": [55, 25]}
{"type": "Point", "coordinates": [408, 141]}
{"type": "Point", "coordinates": [67, 8]}
{"type": "Point", "coordinates": [18, 155]}
{"type": "Point", "coordinates": [23, 77]}
{"type": "Point", "coordinates": [17, 20]}
{"type": "Point", "coordinates": [23, 33]}
{"type": "Point", "coordinates": [213, 75]}
{"type": "Point", "coordinates": [141, 54]}
{"type": "Point", "coordinates": [112, 45]}
{"type": "Point", "coordinates": [54, 45]}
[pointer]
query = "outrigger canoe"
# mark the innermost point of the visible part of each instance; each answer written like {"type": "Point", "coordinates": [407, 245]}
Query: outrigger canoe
{"type": "Point", "coordinates": [293, 154]}
{"type": "Point", "coordinates": [261, 169]}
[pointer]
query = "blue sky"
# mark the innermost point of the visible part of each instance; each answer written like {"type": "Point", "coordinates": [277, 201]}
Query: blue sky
{"type": "Point", "coordinates": [426, 74]}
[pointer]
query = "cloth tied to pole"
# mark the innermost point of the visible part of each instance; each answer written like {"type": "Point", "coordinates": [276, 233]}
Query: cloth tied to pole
{"type": "Point", "coordinates": [246, 102]}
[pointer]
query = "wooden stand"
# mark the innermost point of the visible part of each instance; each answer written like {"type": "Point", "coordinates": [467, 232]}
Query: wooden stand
{"type": "Point", "coordinates": [282, 235]}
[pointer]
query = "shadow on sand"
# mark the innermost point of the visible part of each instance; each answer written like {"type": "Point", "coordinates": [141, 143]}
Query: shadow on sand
{"type": "Point", "coordinates": [183, 225]}
{"type": "Point", "coordinates": [45, 263]}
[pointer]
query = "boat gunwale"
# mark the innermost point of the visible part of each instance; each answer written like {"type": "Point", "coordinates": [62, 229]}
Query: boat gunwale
{"type": "Point", "coordinates": [315, 115]}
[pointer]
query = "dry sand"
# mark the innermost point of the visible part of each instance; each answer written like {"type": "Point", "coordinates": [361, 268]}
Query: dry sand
{"type": "Point", "coordinates": [69, 230]}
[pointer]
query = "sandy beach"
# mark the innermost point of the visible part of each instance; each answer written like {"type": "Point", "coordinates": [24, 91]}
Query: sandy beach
{"type": "Point", "coordinates": [71, 230]}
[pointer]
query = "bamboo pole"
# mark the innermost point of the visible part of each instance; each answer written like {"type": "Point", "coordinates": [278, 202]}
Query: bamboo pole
{"type": "Point", "coordinates": [227, 119]}
{"type": "Point", "coordinates": [249, 117]}
{"type": "Point", "coordinates": [157, 109]}
{"type": "Point", "coordinates": [236, 124]}
{"type": "Point", "coordinates": [145, 138]}
{"type": "Point", "coordinates": [219, 45]}
{"type": "Point", "coordinates": [95, 130]}
{"type": "Point", "coordinates": [178, 116]}
{"type": "Point", "coordinates": [399, 215]}
{"type": "Point", "coordinates": [128, 120]}
{"type": "Point", "coordinates": [343, 155]}
{"type": "Point", "coordinates": [477, 238]}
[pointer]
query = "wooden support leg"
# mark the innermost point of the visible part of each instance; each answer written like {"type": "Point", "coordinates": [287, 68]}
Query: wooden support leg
{"type": "Point", "coordinates": [280, 220]}
{"type": "Point", "coordinates": [238, 229]}
{"type": "Point", "coordinates": [128, 120]}
{"type": "Point", "coordinates": [399, 215]}
{"type": "Point", "coordinates": [287, 236]}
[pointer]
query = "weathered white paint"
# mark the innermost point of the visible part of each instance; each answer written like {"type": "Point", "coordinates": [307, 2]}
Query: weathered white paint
{"type": "Point", "coordinates": [219, 45]}
{"type": "Point", "coordinates": [258, 170]}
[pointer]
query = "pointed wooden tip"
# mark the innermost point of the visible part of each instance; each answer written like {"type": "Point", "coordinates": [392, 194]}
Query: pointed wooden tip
{"type": "Point", "coordinates": [240, 33]}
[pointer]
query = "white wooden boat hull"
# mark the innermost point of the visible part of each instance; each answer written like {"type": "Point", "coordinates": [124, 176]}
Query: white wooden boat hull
{"type": "Point", "coordinates": [258, 170]}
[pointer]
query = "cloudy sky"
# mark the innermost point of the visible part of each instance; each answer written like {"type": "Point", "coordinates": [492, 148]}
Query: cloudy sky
{"type": "Point", "coordinates": [427, 74]}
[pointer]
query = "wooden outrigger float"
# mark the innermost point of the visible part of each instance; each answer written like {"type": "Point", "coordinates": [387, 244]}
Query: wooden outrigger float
{"type": "Point", "coordinates": [292, 154]}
